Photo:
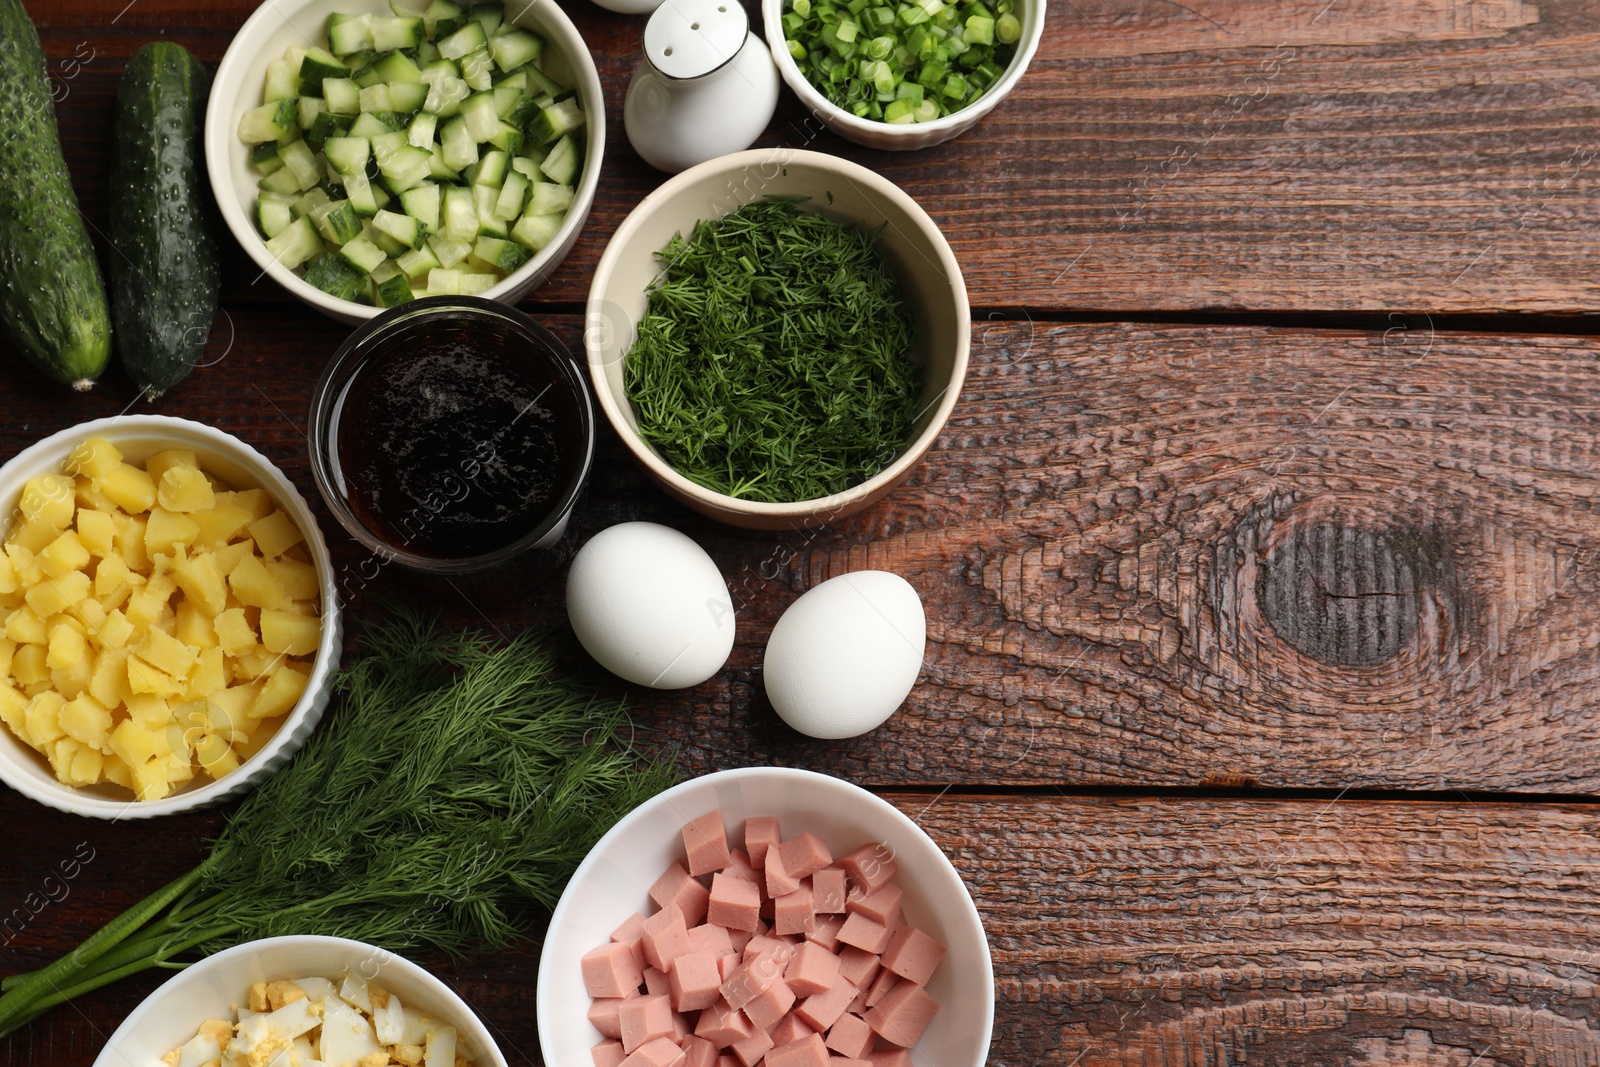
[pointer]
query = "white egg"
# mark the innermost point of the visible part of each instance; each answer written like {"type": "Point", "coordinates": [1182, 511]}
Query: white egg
{"type": "Point", "coordinates": [650, 606]}
{"type": "Point", "coordinates": [846, 654]}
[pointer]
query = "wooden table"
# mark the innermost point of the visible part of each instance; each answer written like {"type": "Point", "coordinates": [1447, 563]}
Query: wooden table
{"type": "Point", "coordinates": [1260, 555]}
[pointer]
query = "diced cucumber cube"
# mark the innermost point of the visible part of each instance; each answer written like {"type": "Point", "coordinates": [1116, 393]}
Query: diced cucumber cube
{"type": "Point", "coordinates": [327, 125]}
{"type": "Point", "coordinates": [385, 270]}
{"type": "Point", "coordinates": [420, 133]}
{"type": "Point", "coordinates": [264, 158]}
{"type": "Point", "coordinates": [298, 157]}
{"type": "Point", "coordinates": [444, 281]}
{"type": "Point", "coordinates": [273, 213]}
{"type": "Point", "coordinates": [270, 122]}
{"type": "Point", "coordinates": [550, 199]}
{"type": "Point", "coordinates": [389, 34]}
{"type": "Point", "coordinates": [489, 16]}
{"type": "Point", "coordinates": [296, 244]}
{"type": "Point", "coordinates": [427, 52]}
{"type": "Point", "coordinates": [343, 96]}
{"type": "Point", "coordinates": [460, 150]}
{"type": "Point", "coordinates": [372, 123]}
{"type": "Point", "coordinates": [401, 11]}
{"type": "Point", "coordinates": [398, 67]}
{"type": "Point", "coordinates": [335, 276]}
{"type": "Point", "coordinates": [528, 165]}
{"type": "Point", "coordinates": [362, 253]}
{"type": "Point", "coordinates": [508, 205]}
{"type": "Point", "coordinates": [283, 81]}
{"type": "Point", "coordinates": [307, 108]}
{"type": "Point", "coordinates": [561, 165]}
{"type": "Point", "coordinates": [385, 244]}
{"type": "Point", "coordinates": [448, 251]}
{"type": "Point", "coordinates": [507, 97]}
{"type": "Point", "coordinates": [282, 181]}
{"type": "Point", "coordinates": [480, 115]}
{"type": "Point", "coordinates": [492, 169]}
{"type": "Point", "coordinates": [477, 70]}
{"type": "Point", "coordinates": [483, 202]}
{"type": "Point", "coordinates": [406, 97]}
{"type": "Point", "coordinates": [460, 215]}
{"type": "Point", "coordinates": [348, 155]}
{"type": "Point", "coordinates": [440, 169]}
{"type": "Point", "coordinates": [403, 228]}
{"type": "Point", "coordinates": [422, 203]}
{"type": "Point", "coordinates": [501, 255]}
{"type": "Point", "coordinates": [536, 231]}
{"type": "Point", "coordinates": [468, 38]}
{"type": "Point", "coordinates": [556, 120]}
{"type": "Point", "coordinates": [309, 201]}
{"type": "Point", "coordinates": [386, 144]}
{"type": "Point", "coordinates": [507, 138]}
{"type": "Point", "coordinates": [349, 33]}
{"type": "Point", "coordinates": [337, 221]}
{"type": "Point", "coordinates": [363, 195]}
{"type": "Point", "coordinates": [376, 98]}
{"type": "Point", "coordinates": [317, 67]}
{"type": "Point", "coordinates": [418, 262]}
{"type": "Point", "coordinates": [368, 78]}
{"type": "Point", "coordinates": [440, 11]}
{"type": "Point", "coordinates": [514, 48]}
{"type": "Point", "coordinates": [541, 84]}
{"type": "Point", "coordinates": [392, 291]}
{"type": "Point", "coordinates": [406, 167]}
{"type": "Point", "coordinates": [472, 283]}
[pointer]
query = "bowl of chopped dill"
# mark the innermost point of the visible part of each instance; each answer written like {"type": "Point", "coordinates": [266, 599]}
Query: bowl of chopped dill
{"type": "Point", "coordinates": [778, 337]}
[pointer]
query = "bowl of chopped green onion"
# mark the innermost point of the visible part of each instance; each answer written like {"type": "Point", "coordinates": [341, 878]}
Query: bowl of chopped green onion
{"type": "Point", "coordinates": [365, 153]}
{"type": "Point", "coordinates": [778, 337]}
{"type": "Point", "coordinates": [902, 74]}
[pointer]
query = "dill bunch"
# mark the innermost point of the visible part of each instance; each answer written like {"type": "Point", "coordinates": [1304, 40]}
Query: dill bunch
{"type": "Point", "coordinates": [445, 805]}
{"type": "Point", "coordinates": [771, 360]}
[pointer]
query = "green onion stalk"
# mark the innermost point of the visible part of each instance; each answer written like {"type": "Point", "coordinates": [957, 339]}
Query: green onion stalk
{"type": "Point", "coordinates": [444, 806]}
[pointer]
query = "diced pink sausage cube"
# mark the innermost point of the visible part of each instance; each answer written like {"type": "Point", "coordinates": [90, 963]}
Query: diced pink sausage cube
{"type": "Point", "coordinates": [851, 1037]}
{"type": "Point", "coordinates": [727, 965]}
{"type": "Point", "coordinates": [792, 914]}
{"type": "Point", "coordinates": [881, 985]}
{"type": "Point", "coordinates": [759, 835]}
{"type": "Point", "coordinates": [882, 905]}
{"type": "Point", "coordinates": [604, 1018]}
{"type": "Point", "coordinates": [858, 1006]}
{"type": "Point", "coordinates": [644, 1019]}
{"type": "Point", "coordinates": [676, 887]}
{"type": "Point", "coordinates": [893, 1057]}
{"type": "Point", "coordinates": [733, 903]}
{"type": "Point", "coordinates": [767, 945]}
{"type": "Point", "coordinates": [902, 1014]}
{"type": "Point", "coordinates": [659, 1052]}
{"type": "Point", "coordinates": [826, 931]}
{"type": "Point", "coordinates": [829, 890]}
{"type": "Point", "coordinates": [708, 937]}
{"type": "Point", "coordinates": [655, 983]}
{"type": "Point", "coordinates": [779, 881]}
{"type": "Point", "coordinates": [859, 966]}
{"type": "Point", "coordinates": [698, 1052]}
{"type": "Point", "coordinates": [694, 981]}
{"type": "Point", "coordinates": [812, 970]}
{"type": "Point", "coordinates": [740, 938]}
{"type": "Point", "coordinates": [804, 854]}
{"type": "Point", "coordinates": [807, 1052]}
{"type": "Point", "coordinates": [611, 971]}
{"type": "Point", "coordinates": [607, 1054]}
{"type": "Point", "coordinates": [770, 1005]}
{"type": "Point", "coordinates": [722, 1025]}
{"type": "Point", "coordinates": [846, 1061]}
{"type": "Point", "coordinates": [789, 1029]}
{"type": "Point", "coordinates": [749, 979]}
{"type": "Point", "coordinates": [870, 866]}
{"type": "Point", "coordinates": [858, 930]}
{"type": "Point", "coordinates": [666, 937]}
{"type": "Point", "coordinates": [823, 1009]}
{"type": "Point", "coordinates": [751, 1049]}
{"type": "Point", "coordinates": [741, 866]}
{"type": "Point", "coordinates": [913, 955]}
{"type": "Point", "coordinates": [705, 844]}
{"type": "Point", "coordinates": [630, 933]}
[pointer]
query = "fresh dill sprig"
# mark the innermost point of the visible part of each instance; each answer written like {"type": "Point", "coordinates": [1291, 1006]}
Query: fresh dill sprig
{"type": "Point", "coordinates": [771, 362]}
{"type": "Point", "coordinates": [445, 805]}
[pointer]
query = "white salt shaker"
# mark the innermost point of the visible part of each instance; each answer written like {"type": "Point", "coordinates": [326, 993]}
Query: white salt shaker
{"type": "Point", "coordinates": [705, 87]}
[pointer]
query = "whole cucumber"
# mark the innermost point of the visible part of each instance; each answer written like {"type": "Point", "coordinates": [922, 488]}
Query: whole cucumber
{"type": "Point", "coordinates": [52, 299]}
{"type": "Point", "coordinates": [164, 268]}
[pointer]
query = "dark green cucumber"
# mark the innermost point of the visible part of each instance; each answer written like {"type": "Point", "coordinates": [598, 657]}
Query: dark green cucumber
{"type": "Point", "coordinates": [52, 299]}
{"type": "Point", "coordinates": [164, 261]}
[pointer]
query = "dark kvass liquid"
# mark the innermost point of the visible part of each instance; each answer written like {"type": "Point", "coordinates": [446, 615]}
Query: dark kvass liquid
{"type": "Point", "coordinates": [454, 445]}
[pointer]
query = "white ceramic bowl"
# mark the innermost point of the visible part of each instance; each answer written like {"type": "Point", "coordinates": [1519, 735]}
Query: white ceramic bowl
{"type": "Point", "coordinates": [614, 881]}
{"type": "Point", "coordinates": [208, 990]}
{"type": "Point", "coordinates": [138, 437]}
{"type": "Point", "coordinates": [276, 25]}
{"type": "Point", "coordinates": [902, 137]}
{"type": "Point", "coordinates": [930, 281]}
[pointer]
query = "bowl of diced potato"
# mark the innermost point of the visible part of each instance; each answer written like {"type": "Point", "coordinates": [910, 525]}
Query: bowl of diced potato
{"type": "Point", "coordinates": [169, 620]}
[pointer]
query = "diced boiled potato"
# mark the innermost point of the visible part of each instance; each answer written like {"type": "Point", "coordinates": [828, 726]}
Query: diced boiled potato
{"type": "Point", "coordinates": [64, 555]}
{"type": "Point", "coordinates": [229, 556]}
{"type": "Point", "coordinates": [291, 634]}
{"type": "Point", "coordinates": [43, 719]}
{"type": "Point", "coordinates": [110, 574]}
{"type": "Point", "coordinates": [133, 743]}
{"type": "Point", "coordinates": [219, 523]}
{"type": "Point", "coordinates": [234, 632]}
{"type": "Point", "coordinates": [8, 575]}
{"type": "Point", "coordinates": [71, 681]}
{"type": "Point", "coordinates": [254, 585]}
{"type": "Point", "coordinates": [215, 754]}
{"type": "Point", "coordinates": [8, 648]}
{"type": "Point", "coordinates": [144, 678]}
{"type": "Point", "coordinates": [299, 580]}
{"type": "Point", "coordinates": [96, 532]}
{"type": "Point", "coordinates": [282, 691]}
{"type": "Point", "coordinates": [151, 712]}
{"type": "Point", "coordinates": [92, 614]}
{"type": "Point", "coordinates": [61, 753]}
{"type": "Point", "coordinates": [209, 675]}
{"type": "Point", "coordinates": [28, 665]}
{"type": "Point", "coordinates": [257, 663]}
{"type": "Point", "coordinates": [131, 489]}
{"type": "Point", "coordinates": [130, 542]}
{"type": "Point", "coordinates": [87, 766]}
{"type": "Point", "coordinates": [236, 702]}
{"type": "Point", "coordinates": [193, 625]}
{"type": "Point", "coordinates": [167, 530]}
{"type": "Point", "coordinates": [147, 603]}
{"type": "Point", "coordinates": [49, 499]}
{"type": "Point", "coordinates": [14, 710]}
{"type": "Point", "coordinates": [168, 653]}
{"type": "Point", "coordinates": [202, 582]}
{"type": "Point", "coordinates": [55, 595]}
{"type": "Point", "coordinates": [275, 534]}
{"type": "Point", "coordinates": [33, 535]}
{"type": "Point", "coordinates": [159, 464]}
{"type": "Point", "coordinates": [25, 627]}
{"type": "Point", "coordinates": [67, 646]}
{"type": "Point", "coordinates": [150, 780]}
{"type": "Point", "coordinates": [116, 630]}
{"type": "Point", "coordinates": [255, 501]}
{"type": "Point", "coordinates": [87, 721]}
{"type": "Point", "coordinates": [116, 772]}
{"type": "Point", "coordinates": [185, 489]}
{"type": "Point", "coordinates": [95, 458]}
{"type": "Point", "coordinates": [110, 677]}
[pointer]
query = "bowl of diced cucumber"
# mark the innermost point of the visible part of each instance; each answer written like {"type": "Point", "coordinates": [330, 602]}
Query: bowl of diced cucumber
{"type": "Point", "coordinates": [365, 153]}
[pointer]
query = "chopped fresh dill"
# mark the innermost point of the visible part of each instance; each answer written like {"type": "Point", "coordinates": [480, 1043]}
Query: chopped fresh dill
{"type": "Point", "coordinates": [445, 805]}
{"type": "Point", "coordinates": [771, 363]}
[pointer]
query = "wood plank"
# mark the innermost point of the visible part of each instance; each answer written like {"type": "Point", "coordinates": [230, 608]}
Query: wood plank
{"type": "Point", "coordinates": [1125, 933]}
{"type": "Point", "coordinates": [1227, 154]}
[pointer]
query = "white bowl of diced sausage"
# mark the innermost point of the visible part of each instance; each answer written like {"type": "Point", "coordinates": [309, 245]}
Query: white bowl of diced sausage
{"type": "Point", "coordinates": [765, 915]}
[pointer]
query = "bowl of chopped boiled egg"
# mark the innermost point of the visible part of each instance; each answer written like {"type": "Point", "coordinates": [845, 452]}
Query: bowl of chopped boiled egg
{"type": "Point", "coordinates": [366, 153]}
{"type": "Point", "coordinates": [302, 1000]}
{"type": "Point", "coordinates": [169, 620]}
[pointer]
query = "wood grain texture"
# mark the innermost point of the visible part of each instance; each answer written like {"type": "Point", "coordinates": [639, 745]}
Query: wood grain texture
{"type": "Point", "coordinates": [1124, 933]}
{"type": "Point", "coordinates": [1439, 155]}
